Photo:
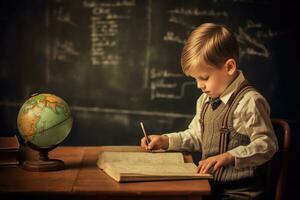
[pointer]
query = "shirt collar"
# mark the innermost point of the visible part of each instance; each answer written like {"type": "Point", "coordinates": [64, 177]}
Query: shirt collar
{"type": "Point", "coordinates": [231, 88]}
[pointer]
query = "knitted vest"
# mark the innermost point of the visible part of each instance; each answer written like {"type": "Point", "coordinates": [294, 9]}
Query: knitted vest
{"type": "Point", "coordinates": [219, 136]}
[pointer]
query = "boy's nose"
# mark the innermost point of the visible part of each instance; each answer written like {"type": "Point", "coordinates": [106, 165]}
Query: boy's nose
{"type": "Point", "coordinates": [200, 85]}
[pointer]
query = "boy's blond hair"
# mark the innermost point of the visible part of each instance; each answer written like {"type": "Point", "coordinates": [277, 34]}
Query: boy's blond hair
{"type": "Point", "coordinates": [212, 43]}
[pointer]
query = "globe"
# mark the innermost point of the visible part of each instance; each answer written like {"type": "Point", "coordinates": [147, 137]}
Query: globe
{"type": "Point", "coordinates": [44, 121]}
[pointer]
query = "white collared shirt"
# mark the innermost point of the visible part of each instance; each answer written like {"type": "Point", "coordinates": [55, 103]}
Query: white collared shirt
{"type": "Point", "coordinates": [251, 117]}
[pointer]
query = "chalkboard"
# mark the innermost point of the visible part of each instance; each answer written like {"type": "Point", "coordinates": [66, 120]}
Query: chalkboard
{"type": "Point", "coordinates": [117, 62]}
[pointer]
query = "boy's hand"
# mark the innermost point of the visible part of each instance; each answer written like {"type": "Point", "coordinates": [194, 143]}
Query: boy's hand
{"type": "Point", "coordinates": [156, 142]}
{"type": "Point", "coordinates": [211, 164]}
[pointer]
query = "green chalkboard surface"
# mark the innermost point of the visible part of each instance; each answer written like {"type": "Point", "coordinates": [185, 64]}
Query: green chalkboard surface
{"type": "Point", "coordinates": [117, 62]}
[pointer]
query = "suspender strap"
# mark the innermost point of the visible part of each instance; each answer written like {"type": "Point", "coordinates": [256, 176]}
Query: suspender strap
{"type": "Point", "coordinates": [244, 88]}
{"type": "Point", "coordinates": [203, 111]}
{"type": "Point", "coordinates": [225, 131]}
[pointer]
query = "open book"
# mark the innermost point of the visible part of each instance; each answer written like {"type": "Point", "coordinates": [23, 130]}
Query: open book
{"type": "Point", "coordinates": [147, 166]}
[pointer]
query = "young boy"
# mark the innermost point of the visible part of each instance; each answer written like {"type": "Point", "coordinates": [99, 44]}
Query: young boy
{"type": "Point", "coordinates": [231, 127]}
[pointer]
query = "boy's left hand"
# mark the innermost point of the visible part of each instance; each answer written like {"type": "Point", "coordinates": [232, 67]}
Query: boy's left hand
{"type": "Point", "coordinates": [211, 164]}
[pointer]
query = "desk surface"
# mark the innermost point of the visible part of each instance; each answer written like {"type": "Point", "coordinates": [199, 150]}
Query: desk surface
{"type": "Point", "coordinates": [82, 177]}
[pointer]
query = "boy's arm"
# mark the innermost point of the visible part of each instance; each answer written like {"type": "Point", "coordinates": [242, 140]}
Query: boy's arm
{"type": "Point", "coordinates": [189, 139]}
{"type": "Point", "coordinates": [255, 118]}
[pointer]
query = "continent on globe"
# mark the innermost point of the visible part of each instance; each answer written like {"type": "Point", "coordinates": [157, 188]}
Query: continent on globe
{"type": "Point", "coordinates": [44, 120]}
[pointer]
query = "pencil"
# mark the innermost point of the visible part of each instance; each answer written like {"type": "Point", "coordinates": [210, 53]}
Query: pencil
{"type": "Point", "coordinates": [145, 134]}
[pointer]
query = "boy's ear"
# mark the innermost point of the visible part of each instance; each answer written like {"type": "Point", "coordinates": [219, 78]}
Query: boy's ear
{"type": "Point", "coordinates": [230, 66]}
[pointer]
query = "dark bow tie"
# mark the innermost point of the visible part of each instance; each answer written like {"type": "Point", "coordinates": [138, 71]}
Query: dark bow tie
{"type": "Point", "coordinates": [215, 103]}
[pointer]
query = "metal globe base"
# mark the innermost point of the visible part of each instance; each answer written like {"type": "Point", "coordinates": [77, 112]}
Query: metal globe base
{"type": "Point", "coordinates": [43, 164]}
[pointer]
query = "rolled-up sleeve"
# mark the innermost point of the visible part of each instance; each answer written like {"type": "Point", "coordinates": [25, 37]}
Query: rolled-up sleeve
{"type": "Point", "coordinates": [255, 117]}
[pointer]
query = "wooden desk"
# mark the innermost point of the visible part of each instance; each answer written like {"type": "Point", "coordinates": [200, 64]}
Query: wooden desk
{"type": "Point", "coordinates": [83, 179]}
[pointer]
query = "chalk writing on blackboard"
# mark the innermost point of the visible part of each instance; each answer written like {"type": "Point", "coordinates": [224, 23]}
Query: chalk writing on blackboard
{"type": "Point", "coordinates": [101, 38]}
{"type": "Point", "coordinates": [252, 36]}
{"type": "Point", "coordinates": [198, 12]}
{"type": "Point", "coordinates": [119, 3]}
{"type": "Point", "coordinates": [252, 45]}
{"type": "Point", "coordinates": [63, 50]}
{"type": "Point", "coordinates": [177, 20]}
{"type": "Point", "coordinates": [165, 85]}
{"type": "Point", "coordinates": [170, 36]}
{"type": "Point", "coordinates": [105, 22]}
{"type": "Point", "coordinates": [63, 16]}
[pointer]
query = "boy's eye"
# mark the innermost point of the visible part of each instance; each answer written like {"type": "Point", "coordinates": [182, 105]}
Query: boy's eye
{"type": "Point", "coordinates": [204, 78]}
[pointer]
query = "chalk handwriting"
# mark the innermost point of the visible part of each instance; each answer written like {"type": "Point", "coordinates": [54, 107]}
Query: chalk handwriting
{"type": "Point", "coordinates": [267, 34]}
{"type": "Point", "coordinates": [121, 3]}
{"type": "Point", "coordinates": [63, 16]}
{"type": "Point", "coordinates": [250, 25]}
{"type": "Point", "coordinates": [63, 50]}
{"type": "Point", "coordinates": [105, 19]}
{"type": "Point", "coordinates": [252, 45]}
{"type": "Point", "coordinates": [176, 19]}
{"type": "Point", "coordinates": [170, 36]}
{"type": "Point", "coordinates": [165, 84]}
{"type": "Point", "coordinates": [158, 73]}
{"type": "Point", "coordinates": [198, 12]}
{"type": "Point", "coordinates": [253, 37]}
{"type": "Point", "coordinates": [158, 90]}
{"type": "Point", "coordinates": [261, 31]}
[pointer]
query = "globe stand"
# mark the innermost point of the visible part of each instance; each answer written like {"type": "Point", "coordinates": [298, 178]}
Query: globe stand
{"type": "Point", "coordinates": [43, 164]}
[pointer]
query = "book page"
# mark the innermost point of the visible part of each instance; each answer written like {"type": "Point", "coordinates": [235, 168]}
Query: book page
{"type": "Point", "coordinates": [145, 166]}
{"type": "Point", "coordinates": [135, 158]}
{"type": "Point", "coordinates": [157, 169]}
{"type": "Point", "coordinates": [127, 173]}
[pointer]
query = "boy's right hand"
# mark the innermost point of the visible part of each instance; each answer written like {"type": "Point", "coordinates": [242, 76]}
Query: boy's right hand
{"type": "Point", "coordinates": [156, 142]}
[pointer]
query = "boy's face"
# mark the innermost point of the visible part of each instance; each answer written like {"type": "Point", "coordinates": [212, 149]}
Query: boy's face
{"type": "Point", "coordinates": [212, 80]}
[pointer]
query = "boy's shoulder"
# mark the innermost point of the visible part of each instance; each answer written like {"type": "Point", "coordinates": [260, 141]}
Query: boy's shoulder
{"type": "Point", "coordinates": [253, 95]}
{"type": "Point", "coordinates": [253, 99]}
